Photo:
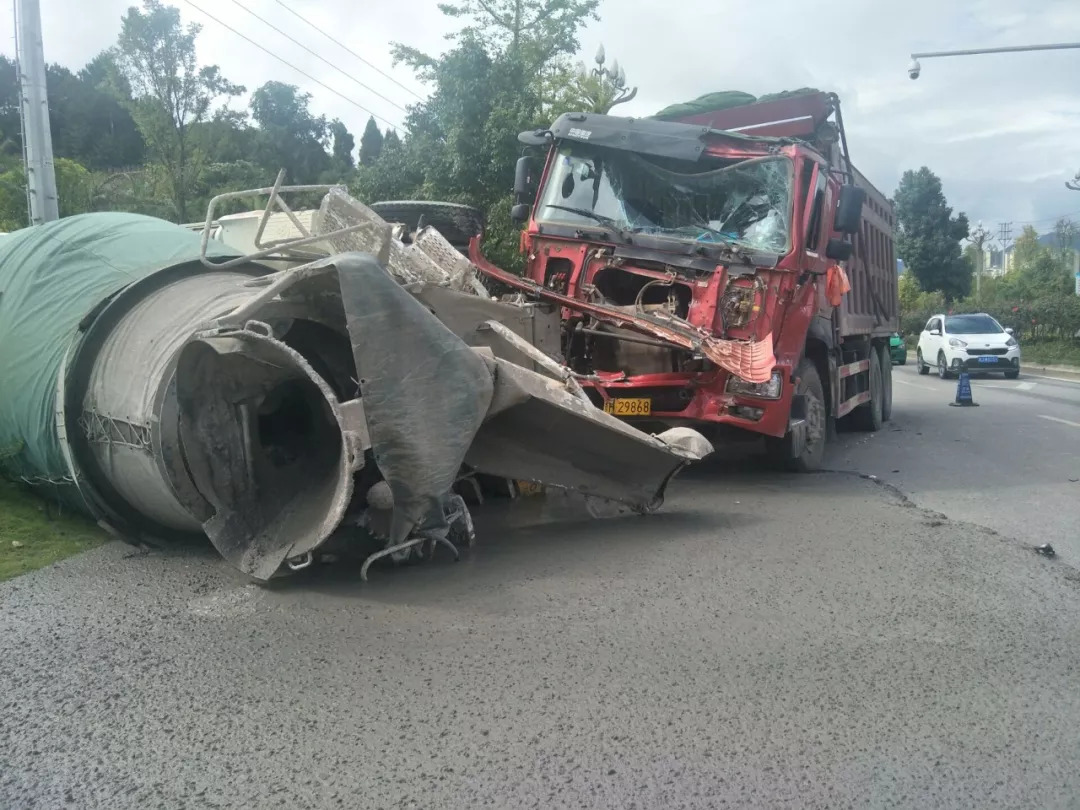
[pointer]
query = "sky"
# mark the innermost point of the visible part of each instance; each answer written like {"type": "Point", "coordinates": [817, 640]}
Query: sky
{"type": "Point", "coordinates": [1002, 131]}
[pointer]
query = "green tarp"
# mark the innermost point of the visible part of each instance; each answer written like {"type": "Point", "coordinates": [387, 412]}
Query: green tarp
{"type": "Point", "coordinates": [723, 100]}
{"type": "Point", "coordinates": [51, 277]}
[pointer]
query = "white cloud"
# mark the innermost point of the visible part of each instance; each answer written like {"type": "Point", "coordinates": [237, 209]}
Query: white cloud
{"type": "Point", "coordinates": [1001, 131]}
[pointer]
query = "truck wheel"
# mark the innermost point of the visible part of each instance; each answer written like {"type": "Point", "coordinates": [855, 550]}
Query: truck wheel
{"type": "Point", "coordinates": [886, 384]}
{"type": "Point", "coordinates": [457, 223]}
{"type": "Point", "coordinates": [780, 450]}
{"type": "Point", "coordinates": [869, 416]}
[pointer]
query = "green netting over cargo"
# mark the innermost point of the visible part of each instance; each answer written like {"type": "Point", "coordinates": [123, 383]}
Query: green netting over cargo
{"type": "Point", "coordinates": [51, 277]}
{"type": "Point", "coordinates": [723, 100]}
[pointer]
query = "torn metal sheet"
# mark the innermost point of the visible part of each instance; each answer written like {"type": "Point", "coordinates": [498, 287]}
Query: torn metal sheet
{"type": "Point", "coordinates": [750, 360]}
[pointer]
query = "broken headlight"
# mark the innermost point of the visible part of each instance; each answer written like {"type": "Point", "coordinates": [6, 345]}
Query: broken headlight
{"type": "Point", "coordinates": [767, 390]}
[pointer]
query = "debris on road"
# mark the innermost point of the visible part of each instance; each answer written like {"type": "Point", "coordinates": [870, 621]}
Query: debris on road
{"type": "Point", "coordinates": [1046, 550]}
{"type": "Point", "coordinates": [335, 385]}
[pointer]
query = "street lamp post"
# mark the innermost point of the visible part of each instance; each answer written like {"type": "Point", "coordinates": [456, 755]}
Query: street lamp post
{"type": "Point", "coordinates": [915, 68]}
{"type": "Point", "coordinates": [979, 238]}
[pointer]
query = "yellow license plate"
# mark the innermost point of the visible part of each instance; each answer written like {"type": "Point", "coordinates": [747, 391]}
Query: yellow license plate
{"type": "Point", "coordinates": [629, 406]}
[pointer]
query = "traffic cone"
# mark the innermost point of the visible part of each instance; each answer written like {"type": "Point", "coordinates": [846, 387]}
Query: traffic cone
{"type": "Point", "coordinates": [963, 392]}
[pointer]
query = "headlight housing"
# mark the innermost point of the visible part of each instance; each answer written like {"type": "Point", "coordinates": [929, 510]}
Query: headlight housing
{"type": "Point", "coordinates": [767, 390]}
{"type": "Point", "coordinates": [1011, 342]}
{"type": "Point", "coordinates": [957, 343]}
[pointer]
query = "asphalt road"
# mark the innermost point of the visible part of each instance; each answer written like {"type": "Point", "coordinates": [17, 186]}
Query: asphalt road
{"type": "Point", "coordinates": [792, 641]}
{"type": "Point", "coordinates": [1012, 464]}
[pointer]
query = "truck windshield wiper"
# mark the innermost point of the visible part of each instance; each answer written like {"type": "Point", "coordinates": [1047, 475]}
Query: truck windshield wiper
{"type": "Point", "coordinates": [585, 212]}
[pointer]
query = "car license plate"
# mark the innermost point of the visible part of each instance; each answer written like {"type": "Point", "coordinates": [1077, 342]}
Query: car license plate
{"type": "Point", "coordinates": [629, 406]}
{"type": "Point", "coordinates": [988, 358]}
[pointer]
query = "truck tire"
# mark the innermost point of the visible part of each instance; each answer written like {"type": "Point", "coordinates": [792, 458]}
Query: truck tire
{"type": "Point", "coordinates": [869, 416]}
{"type": "Point", "coordinates": [886, 383]}
{"type": "Point", "coordinates": [779, 451]}
{"type": "Point", "coordinates": [457, 223]}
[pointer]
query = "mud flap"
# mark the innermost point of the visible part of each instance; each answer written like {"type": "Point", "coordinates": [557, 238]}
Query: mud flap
{"type": "Point", "coordinates": [797, 425]}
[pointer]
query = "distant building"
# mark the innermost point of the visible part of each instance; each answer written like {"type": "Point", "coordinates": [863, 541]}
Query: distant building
{"type": "Point", "coordinates": [997, 263]}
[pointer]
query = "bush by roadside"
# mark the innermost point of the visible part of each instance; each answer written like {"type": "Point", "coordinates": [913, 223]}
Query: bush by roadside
{"type": "Point", "coordinates": [31, 537]}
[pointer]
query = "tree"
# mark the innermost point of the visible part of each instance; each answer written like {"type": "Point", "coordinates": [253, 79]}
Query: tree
{"type": "Point", "coordinates": [1066, 234]}
{"type": "Point", "coordinates": [344, 144]}
{"type": "Point", "coordinates": [929, 235]}
{"type": "Point", "coordinates": [391, 140]}
{"type": "Point", "coordinates": [156, 55]}
{"type": "Point", "coordinates": [371, 143]}
{"type": "Point", "coordinates": [74, 189]}
{"type": "Point", "coordinates": [290, 137]}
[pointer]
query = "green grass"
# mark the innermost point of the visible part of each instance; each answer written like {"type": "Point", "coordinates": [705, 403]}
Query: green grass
{"type": "Point", "coordinates": [31, 538]}
{"type": "Point", "coordinates": [1051, 353]}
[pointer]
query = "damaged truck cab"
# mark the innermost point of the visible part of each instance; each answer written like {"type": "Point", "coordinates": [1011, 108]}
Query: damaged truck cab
{"type": "Point", "coordinates": [733, 271]}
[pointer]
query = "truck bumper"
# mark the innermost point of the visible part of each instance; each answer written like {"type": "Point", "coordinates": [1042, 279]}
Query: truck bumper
{"type": "Point", "coordinates": [700, 400]}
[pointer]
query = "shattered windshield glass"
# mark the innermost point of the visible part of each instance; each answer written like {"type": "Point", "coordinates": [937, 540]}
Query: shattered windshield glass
{"type": "Point", "coordinates": [745, 202]}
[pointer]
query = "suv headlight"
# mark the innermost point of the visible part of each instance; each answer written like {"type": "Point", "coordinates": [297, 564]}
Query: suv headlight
{"type": "Point", "coordinates": [957, 343]}
{"type": "Point", "coordinates": [1011, 342]}
{"type": "Point", "coordinates": [767, 390]}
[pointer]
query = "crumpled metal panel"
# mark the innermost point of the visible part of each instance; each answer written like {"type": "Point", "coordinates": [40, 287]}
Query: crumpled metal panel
{"type": "Point", "coordinates": [425, 392]}
{"type": "Point", "coordinates": [751, 360]}
{"type": "Point", "coordinates": [432, 403]}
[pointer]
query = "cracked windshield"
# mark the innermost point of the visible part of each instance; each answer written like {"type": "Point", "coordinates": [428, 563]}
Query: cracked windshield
{"type": "Point", "coordinates": [745, 203]}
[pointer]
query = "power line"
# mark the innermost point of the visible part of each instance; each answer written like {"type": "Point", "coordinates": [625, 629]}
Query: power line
{"type": "Point", "coordinates": [297, 42]}
{"type": "Point", "coordinates": [294, 67]}
{"type": "Point", "coordinates": [340, 44]}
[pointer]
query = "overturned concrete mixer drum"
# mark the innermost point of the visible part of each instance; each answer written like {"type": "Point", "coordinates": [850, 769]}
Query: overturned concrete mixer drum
{"type": "Point", "coordinates": [189, 389]}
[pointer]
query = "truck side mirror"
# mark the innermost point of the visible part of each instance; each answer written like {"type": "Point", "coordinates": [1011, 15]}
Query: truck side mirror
{"type": "Point", "coordinates": [523, 190]}
{"type": "Point", "coordinates": [849, 209]}
{"type": "Point", "coordinates": [838, 250]}
{"type": "Point", "coordinates": [523, 187]}
{"type": "Point", "coordinates": [519, 214]}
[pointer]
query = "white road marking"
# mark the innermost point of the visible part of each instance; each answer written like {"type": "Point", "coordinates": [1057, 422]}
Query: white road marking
{"type": "Point", "coordinates": [1055, 379]}
{"type": "Point", "coordinates": [1025, 386]}
{"type": "Point", "coordinates": [1062, 421]}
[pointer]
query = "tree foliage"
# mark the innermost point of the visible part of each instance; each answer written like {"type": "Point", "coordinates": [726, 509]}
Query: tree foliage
{"type": "Point", "coordinates": [156, 54]}
{"type": "Point", "coordinates": [929, 235]}
{"type": "Point", "coordinates": [371, 143]}
{"type": "Point", "coordinates": [173, 141]}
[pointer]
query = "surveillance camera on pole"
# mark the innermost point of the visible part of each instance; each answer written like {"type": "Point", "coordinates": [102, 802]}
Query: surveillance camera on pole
{"type": "Point", "coordinates": [914, 68]}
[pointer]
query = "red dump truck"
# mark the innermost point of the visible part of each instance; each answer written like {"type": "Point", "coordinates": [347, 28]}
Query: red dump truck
{"type": "Point", "coordinates": [729, 270]}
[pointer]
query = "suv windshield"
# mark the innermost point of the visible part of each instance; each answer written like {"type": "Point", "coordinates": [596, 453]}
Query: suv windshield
{"type": "Point", "coordinates": [742, 202]}
{"type": "Point", "coordinates": [972, 325]}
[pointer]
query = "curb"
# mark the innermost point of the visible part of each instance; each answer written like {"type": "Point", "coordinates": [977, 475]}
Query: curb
{"type": "Point", "coordinates": [1067, 372]}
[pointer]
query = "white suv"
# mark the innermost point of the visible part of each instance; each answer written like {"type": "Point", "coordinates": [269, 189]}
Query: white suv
{"type": "Point", "coordinates": [955, 343]}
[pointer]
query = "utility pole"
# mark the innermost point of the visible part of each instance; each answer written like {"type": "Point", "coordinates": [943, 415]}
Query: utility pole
{"type": "Point", "coordinates": [979, 237]}
{"type": "Point", "coordinates": [34, 109]}
{"type": "Point", "coordinates": [1005, 237]}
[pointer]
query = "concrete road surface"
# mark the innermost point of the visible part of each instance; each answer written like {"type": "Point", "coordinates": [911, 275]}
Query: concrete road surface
{"type": "Point", "coordinates": [799, 641]}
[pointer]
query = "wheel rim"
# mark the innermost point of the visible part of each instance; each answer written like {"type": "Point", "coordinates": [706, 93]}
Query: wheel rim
{"type": "Point", "coordinates": [942, 369]}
